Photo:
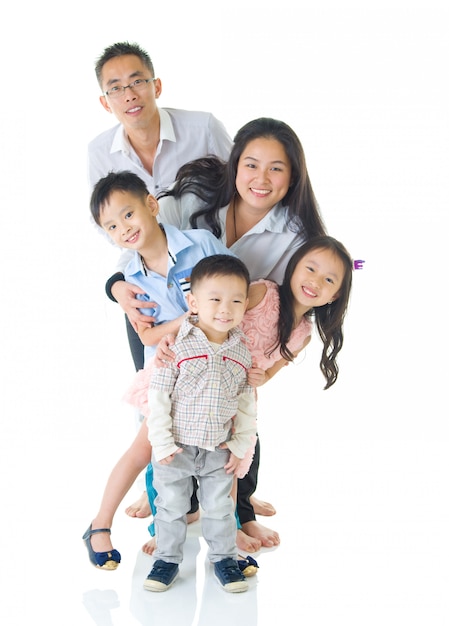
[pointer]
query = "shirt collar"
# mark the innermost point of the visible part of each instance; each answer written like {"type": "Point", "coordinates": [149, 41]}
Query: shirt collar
{"type": "Point", "coordinates": [167, 131]}
{"type": "Point", "coordinates": [176, 243]}
{"type": "Point", "coordinates": [188, 326]}
{"type": "Point", "coordinates": [274, 221]}
{"type": "Point", "coordinates": [120, 143]}
{"type": "Point", "coordinates": [135, 265]}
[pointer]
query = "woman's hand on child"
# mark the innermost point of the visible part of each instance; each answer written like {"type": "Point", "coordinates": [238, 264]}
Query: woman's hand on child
{"type": "Point", "coordinates": [125, 294]}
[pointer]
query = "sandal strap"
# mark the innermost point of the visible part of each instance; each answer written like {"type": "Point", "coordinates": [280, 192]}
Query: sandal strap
{"type": "Point", "coordinates": [100, 530]}
{"type": "Point", "coordinates": [91, 532]}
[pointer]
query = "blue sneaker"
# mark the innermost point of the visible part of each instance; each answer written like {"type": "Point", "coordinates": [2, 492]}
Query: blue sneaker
{"type": "Point", "coordinates": [229, 576]}
{"type": "Point", "coordinates": [162, 576]}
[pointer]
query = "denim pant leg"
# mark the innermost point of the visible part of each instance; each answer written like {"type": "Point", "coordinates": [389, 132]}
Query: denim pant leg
{"type": "Point", "coordinates": [218, 517]}
{"type": "Point", "coordinates": [174, 487]}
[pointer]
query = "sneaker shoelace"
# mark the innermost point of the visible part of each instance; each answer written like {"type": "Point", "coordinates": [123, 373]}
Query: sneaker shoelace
{"type": "Point", "coordinates": [161, 569]}
{"type": "Point", "coordinates": [231, 572]}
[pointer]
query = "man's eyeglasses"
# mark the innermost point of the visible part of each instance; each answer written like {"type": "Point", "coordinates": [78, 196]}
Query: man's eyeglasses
{"type": "Point", "coordinates": [137, 85]}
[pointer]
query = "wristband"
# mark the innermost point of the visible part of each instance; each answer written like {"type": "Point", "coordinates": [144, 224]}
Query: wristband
{"type": "Point", "coordinates": [110, 282]}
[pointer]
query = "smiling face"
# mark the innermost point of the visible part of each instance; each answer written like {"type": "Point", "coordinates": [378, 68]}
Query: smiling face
{"type": "Point", "coordinates": [130, 220]}
{"type": "Point", "coordinates": [317, 278]}
{"type": "Point", "coordinates": [220, 302]}
{"type": "Point", "coordinates": [263, 175]}
{"type": "Point", "coordinates": [133, 109]}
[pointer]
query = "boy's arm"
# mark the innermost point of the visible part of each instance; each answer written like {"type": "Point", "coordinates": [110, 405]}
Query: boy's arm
{"type": "Point", "coordinates": [245, 425]}
{"type": "Point", "coordinates": [151, 335]}
{"type": "Point", "coordinates": [244, 437]}
{"type": "Point", "coordinates": [159, 424]}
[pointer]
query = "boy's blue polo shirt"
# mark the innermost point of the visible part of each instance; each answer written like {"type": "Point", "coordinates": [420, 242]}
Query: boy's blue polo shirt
{"type": "Point", "coordinates": [185, 249]}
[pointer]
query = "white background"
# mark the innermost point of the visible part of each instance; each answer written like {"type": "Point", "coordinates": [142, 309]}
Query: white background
{"type": "Point", "coordinates": [359, 473]}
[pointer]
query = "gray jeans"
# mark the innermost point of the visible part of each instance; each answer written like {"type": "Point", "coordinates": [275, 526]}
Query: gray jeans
{"type": "Point", "coordinates": [173, 484]}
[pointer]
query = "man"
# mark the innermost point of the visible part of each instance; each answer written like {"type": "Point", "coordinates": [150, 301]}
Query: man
{"type": "Point", "coordinates": [150, 141]}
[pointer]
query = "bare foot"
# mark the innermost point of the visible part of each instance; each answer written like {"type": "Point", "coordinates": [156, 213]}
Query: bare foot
{"type": "Point", "coordinates": [140, 508]}
{"type": "Point", "coordinates": [150, 546]}
{"type": "Point", "coordinates": [268, 538]}
{"type": "Point", "coordinates": [246, 544]}
{"type": "Point", "coordinates": [193, 517]}
{"type": "Point", "coordinates": [262, 508]}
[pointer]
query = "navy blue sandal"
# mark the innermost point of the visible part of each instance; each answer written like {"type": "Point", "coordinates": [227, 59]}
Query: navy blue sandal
{"type": "Point", "coordinates": [103, 560]}
{"type": "Point", "coordinates": [248, 566]}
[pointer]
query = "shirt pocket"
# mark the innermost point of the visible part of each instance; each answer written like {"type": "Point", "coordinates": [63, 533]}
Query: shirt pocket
{"type": "Point", "coordinates": [233, 374]}
{"type": "Point", "coordinates": [193, 377]}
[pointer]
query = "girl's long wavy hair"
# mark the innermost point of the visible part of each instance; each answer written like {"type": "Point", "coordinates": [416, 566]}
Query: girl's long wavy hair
{"type": "Point", "coordinates": [328, 318]}
{"type": "Point", "coordinates": [212, 180]}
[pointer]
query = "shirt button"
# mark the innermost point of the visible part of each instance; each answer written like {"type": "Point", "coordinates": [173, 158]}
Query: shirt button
{"type": "Point", "coordinates": [170, 285]}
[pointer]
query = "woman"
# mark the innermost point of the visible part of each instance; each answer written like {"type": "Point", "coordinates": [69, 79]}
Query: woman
{"type": "Point", "coordinates": [261, 204]}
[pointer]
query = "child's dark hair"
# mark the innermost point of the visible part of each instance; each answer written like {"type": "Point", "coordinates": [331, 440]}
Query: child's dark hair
{"type": "Point", "coordinates": [219, 265]}
{"type": "Point", "coordinates": [115, 181]}
{"type": "Point", "coordinates": [328, 318]}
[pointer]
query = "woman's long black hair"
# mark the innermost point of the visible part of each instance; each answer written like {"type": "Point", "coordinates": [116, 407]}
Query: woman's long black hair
{"type": "Point", "coordinates": [212, 180]}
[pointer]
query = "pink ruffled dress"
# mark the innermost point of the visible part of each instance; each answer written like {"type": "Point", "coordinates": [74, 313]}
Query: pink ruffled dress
{"type": "Point", "coordinates": [260, 327]}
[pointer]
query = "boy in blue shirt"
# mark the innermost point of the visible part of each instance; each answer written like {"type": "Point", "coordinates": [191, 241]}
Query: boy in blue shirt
{"type": "Point", "coordinates": [163, 255]}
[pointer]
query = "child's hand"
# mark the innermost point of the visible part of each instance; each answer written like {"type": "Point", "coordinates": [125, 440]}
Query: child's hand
{"type": "Point", "coordinates": [168, 459]}
{"type": "Point", "coordinates": [233, 464]}
{"type": "Point", "coordinates": [257, 376]}
{"type": "Point", "coordinates": [163, 353]}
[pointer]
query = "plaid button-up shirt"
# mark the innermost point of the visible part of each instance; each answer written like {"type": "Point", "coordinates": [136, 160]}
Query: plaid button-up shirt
{"type": "Point", "coordinates": [203, 397]}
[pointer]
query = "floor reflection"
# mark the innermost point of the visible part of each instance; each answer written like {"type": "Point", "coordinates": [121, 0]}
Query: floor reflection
{"type": "Point", "coordinates": [196, 599]}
